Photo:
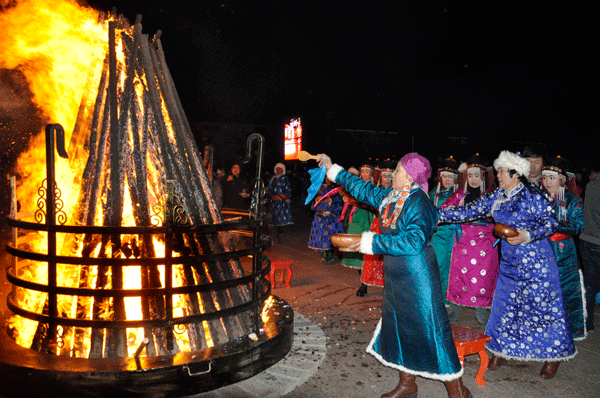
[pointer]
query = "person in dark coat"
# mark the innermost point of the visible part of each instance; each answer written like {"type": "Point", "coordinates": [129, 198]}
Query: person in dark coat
{"type": "Point", "coordinates": [236, 191]}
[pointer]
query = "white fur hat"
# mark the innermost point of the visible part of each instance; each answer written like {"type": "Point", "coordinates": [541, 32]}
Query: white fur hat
{"type": "Point", "coordinates": [282, 166]}
{"type": "Point", "coordinates": [512, 161]}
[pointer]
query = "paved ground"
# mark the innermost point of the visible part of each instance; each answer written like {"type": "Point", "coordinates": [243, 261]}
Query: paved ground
{"type": "Point", "coordinates": [325, 296]}
{"type": "Point", "coordinates": [333, 327]}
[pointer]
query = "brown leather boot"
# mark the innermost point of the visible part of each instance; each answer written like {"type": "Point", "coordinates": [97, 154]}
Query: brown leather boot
{"type": "Point", "coordinates": [406, 387]}
{"type": "Point", "coordinates": [494, 362]}
{"type": "Point", "coordinates": [549, 369]}
{"type": "Point", "coordinates": [456, 389]}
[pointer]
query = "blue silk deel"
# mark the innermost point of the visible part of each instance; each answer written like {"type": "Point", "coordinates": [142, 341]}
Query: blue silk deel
{"type": "Point", "coordinates": [317, 176]}
{"type": "Point", "coordinates": [414, 333]}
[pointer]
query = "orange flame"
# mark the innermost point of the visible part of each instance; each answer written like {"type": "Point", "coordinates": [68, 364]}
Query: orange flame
{"type": "Point", "coordinates": [53, 43]}
{"type": "Point", "coordinates": [57, 45]}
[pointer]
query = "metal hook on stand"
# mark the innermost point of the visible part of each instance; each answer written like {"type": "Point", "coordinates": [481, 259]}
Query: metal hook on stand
{"type": "Point", "coordinates": [257, 193]}
{"type": "Point", "coordinates": [51, 213]}
{"type": "Point", "coordinates": [50, 171]}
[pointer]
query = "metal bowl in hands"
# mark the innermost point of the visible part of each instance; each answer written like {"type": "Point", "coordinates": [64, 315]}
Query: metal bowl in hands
{"type": "Point", "coordinates": [504, 231]}
{"type": "Point", "coordinates": [344, 241]}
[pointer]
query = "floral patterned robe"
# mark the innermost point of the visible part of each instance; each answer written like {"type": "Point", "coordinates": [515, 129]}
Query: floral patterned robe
{"type": "Point", "coordinates": [528, 319]}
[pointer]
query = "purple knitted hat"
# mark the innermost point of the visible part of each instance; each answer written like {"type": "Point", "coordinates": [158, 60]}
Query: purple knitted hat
{"type": "Point", "coordinates": [418, 168]}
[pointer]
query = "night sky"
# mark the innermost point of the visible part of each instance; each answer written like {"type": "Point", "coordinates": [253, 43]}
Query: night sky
{"type": "Point", "coordinates": [499, 73]}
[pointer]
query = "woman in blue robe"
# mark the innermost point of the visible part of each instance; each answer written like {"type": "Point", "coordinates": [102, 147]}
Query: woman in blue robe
{"type": "Point", "coordinates": [528, 319]}
{"type": "Point", "coordinates": [280, 190]}
{"type": "Point", "coordinates": [414, 334]}
{"type": "Point", "coordinates": [325, 223]}
{"type": "Point", "coordinates": [569, 211]}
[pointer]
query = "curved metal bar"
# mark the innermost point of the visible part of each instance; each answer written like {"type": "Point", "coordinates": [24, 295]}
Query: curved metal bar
{"type": "Point", "coordinates": [224, 256]}
{"type": "Point", "coordinates": [142, 230]}
{"type": "Point", "coordinates": [60, 138]}
{"type": "Point", "coordinates": [119, 324]}
{"type": "Point", "coordinates": [120, 293]}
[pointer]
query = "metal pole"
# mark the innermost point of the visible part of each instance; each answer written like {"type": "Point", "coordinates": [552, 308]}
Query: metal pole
{"type": "Point", "coordinates": [257, 195]}
{"type": "Point", "coordinates": [51, 216]}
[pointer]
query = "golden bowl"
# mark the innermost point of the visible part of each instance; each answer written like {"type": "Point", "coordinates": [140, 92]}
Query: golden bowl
{"type": "Point", "coordinates": [343, 241]}
{"type": "Point", "coordinates": [504, 231]}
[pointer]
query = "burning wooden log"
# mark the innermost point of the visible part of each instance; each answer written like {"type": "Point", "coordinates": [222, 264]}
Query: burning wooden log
{"type": "Point", "coordinates": [136, 138]}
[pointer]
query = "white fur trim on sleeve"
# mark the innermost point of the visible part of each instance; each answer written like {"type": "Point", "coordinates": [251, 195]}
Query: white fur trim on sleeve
{"type": "Point", "coordinates": [334, 171]}
{"type": "Point", "coordinates": [366, 242]}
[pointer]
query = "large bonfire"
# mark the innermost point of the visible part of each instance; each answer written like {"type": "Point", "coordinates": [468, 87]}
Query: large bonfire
{"type": "Point", "coordinates": [61, 48]}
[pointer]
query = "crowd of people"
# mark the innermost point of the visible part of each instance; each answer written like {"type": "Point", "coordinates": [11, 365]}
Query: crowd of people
{"type": "Point", "coordinates": [434, 251]}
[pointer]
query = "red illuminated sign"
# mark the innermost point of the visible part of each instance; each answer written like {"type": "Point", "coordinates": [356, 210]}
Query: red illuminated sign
{"type": "Point", "coordinates": [293, 139]}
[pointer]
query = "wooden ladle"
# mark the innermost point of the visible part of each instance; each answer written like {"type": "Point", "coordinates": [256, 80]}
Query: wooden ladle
{"type": "Point", "coordinates": [304, 156]}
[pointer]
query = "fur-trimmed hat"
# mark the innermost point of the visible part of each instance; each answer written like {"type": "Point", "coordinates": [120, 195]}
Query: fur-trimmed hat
{"type": "Point", "coordinates": [449, 165]}
{"type": "Point", "coordinates": [559, 167]}
{"type": "Point", "coordinates": [512, 161]}
{"type": "Point", "coordinates": [281, 166]}
{"type": "Point", "coordinates": [388, 166]}
{"type": "Point", "coordinates": [558, 164]}
{"type": "Point", "coordinates": [477, 161]}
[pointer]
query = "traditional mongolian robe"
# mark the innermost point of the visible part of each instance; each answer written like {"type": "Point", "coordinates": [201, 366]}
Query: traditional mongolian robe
{"type": "Point", "coordinates": [325, 222]}
{"type": "Point", "coordinates": [474, 263]}
{"type": "Point", "coordinates": [372, 271]}
{"type": "Point", "coordinates": [443, 241]}
{"type": "Point", "coordinates": [528, 319]}
{"type": "Point", "coordinates": [361, 222]}
{"type": "Point", "coordinates": [280, 191]}
{"type": "Point", "coordinates": [571, 277]}
{"type": "Point", "coordinates": [414, 333]}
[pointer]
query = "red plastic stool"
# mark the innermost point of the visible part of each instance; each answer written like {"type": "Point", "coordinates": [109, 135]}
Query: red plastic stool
{"type": "Point", "coordinates": [284, 265]}
{"type": "Point", "coordinates": [469, 342]}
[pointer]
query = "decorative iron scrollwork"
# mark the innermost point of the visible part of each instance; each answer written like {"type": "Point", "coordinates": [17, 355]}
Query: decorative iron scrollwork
{"type": "Point", "coordinates": [40, 213]}
{"type": "Point", "coordinates": [157, 213]}
{"type": "Point", "coordinates": [60, 342]}
{"type": "Point", "coordinates": [180, 328]}
{"type": "Point", "coordinates": [179, 214]}
{"type": "Point", "coordinates": [168, 208]}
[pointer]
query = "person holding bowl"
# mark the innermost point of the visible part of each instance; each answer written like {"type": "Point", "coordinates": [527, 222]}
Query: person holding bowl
{"type": "Point", "coordinates": [414, 334]}
{"type": "Point", "coordinates": [528, 319]}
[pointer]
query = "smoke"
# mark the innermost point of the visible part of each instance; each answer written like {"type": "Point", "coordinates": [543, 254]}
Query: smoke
{"type": "Point", "coordinates": [19, 121]}
{"type": "Point", "coordinates": [19, 117]}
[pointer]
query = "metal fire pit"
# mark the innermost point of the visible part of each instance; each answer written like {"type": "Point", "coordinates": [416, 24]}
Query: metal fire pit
{"type": "Point", "coordinates": [39, 373]}
{"type": "Point", "coordinates": [164, 371]}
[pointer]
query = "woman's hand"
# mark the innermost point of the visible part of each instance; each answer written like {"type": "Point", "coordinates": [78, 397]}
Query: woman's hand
{"type": "Point", "coordinates": [517, 240]}
{"type": "Point", "coordinates": [324, 160]}
{"type": "Point", "coordinates": [355, 247]}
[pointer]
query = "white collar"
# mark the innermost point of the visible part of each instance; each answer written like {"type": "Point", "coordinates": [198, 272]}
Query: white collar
{"type": "Point", "coordinates": [515, 190]}
{"type": "Point", "coordinates": [507, 195]}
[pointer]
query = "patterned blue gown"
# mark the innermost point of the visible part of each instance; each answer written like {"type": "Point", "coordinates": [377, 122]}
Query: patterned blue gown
{"type": "Point", "coordinates": [571, 277]}
{"type": "Point", "coordinates": [528, 319]}
{"type": "Point", "coordinates": [281, 190]}
{"type": "Point", "coordinates": [325, 222]}
{"type": "Point", "coordinates": [414, 333]}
